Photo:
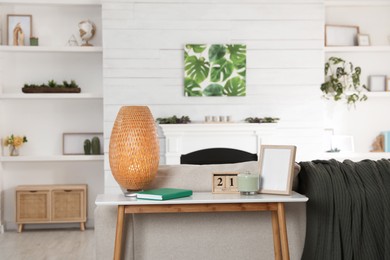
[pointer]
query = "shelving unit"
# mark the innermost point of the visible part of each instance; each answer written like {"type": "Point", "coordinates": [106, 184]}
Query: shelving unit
{"type": "Point", "coordinates": [367, 120]}
{"type": "Point", "coordinates": [50, 96]}
{"type": "Point", "coordinates": [357, 49]}
{"type": "Point", "coordinates": [52, 158]}
{"type": "Point", "coordinates": [357, 3]}
{"type": "Point", "coordinates": [5, 48]}
{"type": "Point", "coordinates": [44, 117]}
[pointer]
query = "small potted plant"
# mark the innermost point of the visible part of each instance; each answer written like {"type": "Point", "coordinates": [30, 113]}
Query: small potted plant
{"type": "Point", "coordinates": [14, 143]}
{"type": "Point", "coordinates": [342, 81]}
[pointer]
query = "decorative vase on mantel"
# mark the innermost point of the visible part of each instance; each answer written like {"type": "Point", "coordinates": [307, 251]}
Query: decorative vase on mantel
{"type": "Point", "coordinates": [13, 151]}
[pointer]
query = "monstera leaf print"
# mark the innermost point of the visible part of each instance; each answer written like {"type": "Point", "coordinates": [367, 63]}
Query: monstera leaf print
{"type": "Point", "coordinates": [197, 48]}
{"type": "Point", "coordinates": [191, 88]}
{"type": "Point", "coordinates": [241, 68]}
{"type": "Point", "coordinates": [197, 69]}
{"type": "Point", "coordinates": [213, 90]}
{"type": "Point", "coordinates": [216, 52]}
{"type": "Point", "coordinates": [221, 70]}
{"type": "Point", "coordinates": [215, 70]}
{"type": "Point", "coordinates": [237, 53]}
{"type": "Point", "coordinates": [235, 87]}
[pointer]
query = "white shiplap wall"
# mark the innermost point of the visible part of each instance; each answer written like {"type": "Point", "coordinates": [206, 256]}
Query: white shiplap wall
{"type": "Point", "coordinates": [143, 61]}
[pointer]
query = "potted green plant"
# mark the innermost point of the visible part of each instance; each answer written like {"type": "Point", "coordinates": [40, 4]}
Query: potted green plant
{"type": "Point", "coordinates": [342, 81]}
{"type": "Point", "coordinates": [52, 87]}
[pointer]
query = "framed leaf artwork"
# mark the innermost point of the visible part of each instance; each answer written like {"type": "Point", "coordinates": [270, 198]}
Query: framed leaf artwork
{"type": "Point", "coordinates": [215, 70]}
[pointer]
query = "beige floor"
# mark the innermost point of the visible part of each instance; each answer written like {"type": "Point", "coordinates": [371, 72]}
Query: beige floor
{"type": "Point", "coordinates": [48, 245]}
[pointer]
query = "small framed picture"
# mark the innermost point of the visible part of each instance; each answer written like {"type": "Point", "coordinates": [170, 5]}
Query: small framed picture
{"type": "Point", "coordinates": [74, 143]}
{"type": "Point", "coordinates": [341, 35]}
{"type": "Point", "coordinates": [377, 83]}
{"type": "Point", "coordinates": [19, 29]}
{"type": "Point", "coordinates": [277, 168]}
{"type": "Point", "coordinates": [363, 39]}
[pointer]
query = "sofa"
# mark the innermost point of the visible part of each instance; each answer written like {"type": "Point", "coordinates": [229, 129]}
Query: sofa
{"type": "Point", "coordinates": [224, 236]}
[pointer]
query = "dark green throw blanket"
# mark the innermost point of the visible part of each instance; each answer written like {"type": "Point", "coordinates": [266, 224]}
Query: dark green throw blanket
{"type": "Point", "coordinates": [348, 212]}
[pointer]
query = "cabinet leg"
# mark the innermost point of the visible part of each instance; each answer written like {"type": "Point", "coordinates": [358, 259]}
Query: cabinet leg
{"type": "Point", "coordinates": [20, 228]}
{"type": "Point", "coordinates": [82, 226]}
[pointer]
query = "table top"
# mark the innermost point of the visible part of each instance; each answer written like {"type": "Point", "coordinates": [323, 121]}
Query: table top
{"type": "Point", "coordinates": [200, 198]}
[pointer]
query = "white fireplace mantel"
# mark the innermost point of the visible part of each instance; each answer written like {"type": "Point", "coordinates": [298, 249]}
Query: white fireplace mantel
{"type": "Point", "coordinates": [185, 138]}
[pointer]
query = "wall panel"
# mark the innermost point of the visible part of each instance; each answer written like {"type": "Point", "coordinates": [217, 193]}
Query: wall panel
{"type": "Point", "coordinates": [143, 61]}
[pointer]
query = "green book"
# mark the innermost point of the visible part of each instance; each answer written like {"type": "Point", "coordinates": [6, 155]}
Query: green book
{"type": "Point", "coordinates": [163, 194]}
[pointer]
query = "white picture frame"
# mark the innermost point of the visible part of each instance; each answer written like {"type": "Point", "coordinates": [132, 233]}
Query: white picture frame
{"type": "Point", "coordinates": [363, 39]}
{"type": "Point", "coordinates": [341, 35]}
{"type": "Point", "coordinates": [73, 143]}
{"type": "Point", "coordinates": [377, 83]}
{"type": "Point", "coordinates": [277, 169]}
{"type": "Point", "coordinates": [25, 22]}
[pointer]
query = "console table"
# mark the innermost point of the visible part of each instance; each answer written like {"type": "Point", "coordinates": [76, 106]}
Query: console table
{"type": "Point", "coordinates": [207, 202]}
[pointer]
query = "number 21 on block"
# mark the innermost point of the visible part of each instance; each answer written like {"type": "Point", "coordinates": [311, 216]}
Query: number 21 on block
{"type": "Point", "coordinates": [225, 182]}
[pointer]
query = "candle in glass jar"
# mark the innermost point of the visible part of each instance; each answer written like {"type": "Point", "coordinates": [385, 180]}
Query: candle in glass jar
{"type": "Point", "coordinates": [248, 183]}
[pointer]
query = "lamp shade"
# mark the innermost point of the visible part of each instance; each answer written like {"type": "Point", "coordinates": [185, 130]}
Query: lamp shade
{"type": "Point", "coordinates": [134, 148]}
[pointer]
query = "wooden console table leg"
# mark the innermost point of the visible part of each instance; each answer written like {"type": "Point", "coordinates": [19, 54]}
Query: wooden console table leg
{"type": "Point", "coordinates": [276, 235]}
{"type": "Point", "coordinates": [119, 232]}
{"type": "Point", "coordinates": [20, 228]}
{"type": "Point", "coordinates": [82, 226]}
{"type": "Point", "coordinates": [283, 231]}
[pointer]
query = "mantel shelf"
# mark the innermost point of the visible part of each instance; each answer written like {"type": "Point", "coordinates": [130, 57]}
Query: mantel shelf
{"type": "Point", "coordinates": [355, 156]}
{"type": "Point", "coordinates": [77, 49]}
{"type": "Point", "coordinates": [50, 96]}
{"type": "Point", "coordinates": [51, 158]}
{"type": "Point", "coordinates": [358, 49]}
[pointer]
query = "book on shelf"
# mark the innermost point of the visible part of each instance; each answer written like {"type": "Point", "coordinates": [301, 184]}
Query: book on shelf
{"type": "Point", "coordinates": [163, 194]}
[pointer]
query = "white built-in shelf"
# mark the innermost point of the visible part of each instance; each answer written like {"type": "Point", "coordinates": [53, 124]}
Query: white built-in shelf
{"type": "Point", "coordinates": [358, 49]}
{"type": "Point", "coordinates": [52, 2]}
{"type": "Point", "coordinates": [77, 49]}
{"type": "Point", "coordinates": [51, 158]}
{"type": "Point", "coordinates": [379, 94]}
{"type": "Point", "coordinates": [50, 96]}
{"type": "Point", "coordinates": [358, 3]}
{"type": "Point", "coordinates": [383, 94]}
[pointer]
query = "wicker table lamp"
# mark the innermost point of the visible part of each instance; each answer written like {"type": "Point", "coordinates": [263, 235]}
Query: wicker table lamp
{"type": "Point", "coordinates": [134, 148]}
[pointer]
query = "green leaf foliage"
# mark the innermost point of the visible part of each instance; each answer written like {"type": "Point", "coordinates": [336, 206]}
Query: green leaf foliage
{"type": "Point", "coordinates": [237, 52]}
{"type": "Point", "coordinates": [235, 87]}
{"type": "Point", "coordinates": [213, 90]}
{"type": "Point", "coordinates": [216, 52]}
{"type": "Point", "coordinates": [191, 88]}
{"type": "Point", "coordinates": [197, 69]}
{"type": "Point", "coordinates": [221, 70]}
{"type": "Point", "coordinates": [342, 81]}
{"type": "Point", "coordinates": [241, 68]}
{"type": "Point", "coordinates": [197, 48]}
{"type": "Point", "coordinates": [173, 120]}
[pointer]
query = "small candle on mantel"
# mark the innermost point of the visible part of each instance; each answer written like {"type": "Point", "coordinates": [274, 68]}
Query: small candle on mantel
{"type": "Point", "coordinates": [248, 183]}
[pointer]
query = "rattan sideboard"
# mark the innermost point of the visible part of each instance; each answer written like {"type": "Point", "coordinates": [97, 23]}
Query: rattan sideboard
{"type": "Point", "coordinates": [51, 204]}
